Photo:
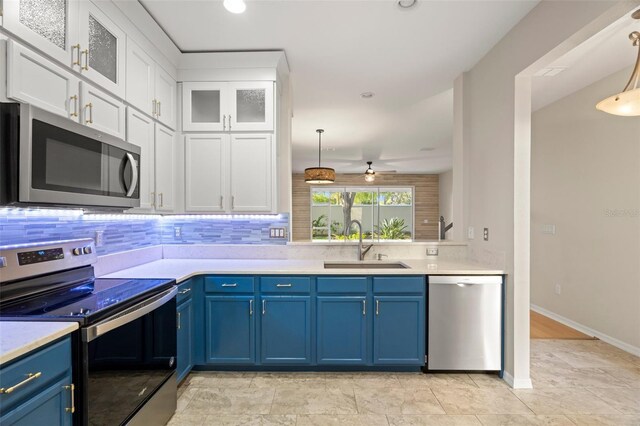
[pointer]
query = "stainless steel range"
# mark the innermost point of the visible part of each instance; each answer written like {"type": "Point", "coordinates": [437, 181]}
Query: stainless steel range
{"type": "Point", "coordinates": [124, 352]}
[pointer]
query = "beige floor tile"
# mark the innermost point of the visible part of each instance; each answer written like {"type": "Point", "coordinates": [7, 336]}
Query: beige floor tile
{"type": "Point", "coordinates": [480, 401]}
{"type": "Point", "coordinates": [363, 380]}
{"type": "Point", "coordinates": [313, 401]}
{"type": "Point", "coordinates": [626, 401]}
{"type": "Point", "coordinates": [523, 420]}
{"type": "Point", "coordinates": [300, 379]}
{"type": "Point", "coordinates": [230, 401]}
{"type": "Point", "coordinates": [433, 420]}
{"type": "Point", "coordinates": [563, 401]}
{"type": "Point", "coordinates": [488, 381]}
{"type": "Point", "coordinates": [223, 380]}
{"type": "Point", "coordinates": [546, 359]}
{"type": "Point", "coordinates": [185, 398]}
{"type": "Point", "coordinates": [421, 381]}
{"type": "Point", "coordinates": [593, 359]}
{"type": "Point", "coordinates": [606, 420]}
{"type": "Point", "coordinates": [186, 419]}
{"type": "Point", "coordinates": [250, 420]}
{"type": "Point", "coordinates": [629, 376]}
{"type": "Point", "coordinates": [397, 401]}
{"type": "Point", "coordinates": [343, 420]}
{"type": "Point", "coordinates": [554, 377]}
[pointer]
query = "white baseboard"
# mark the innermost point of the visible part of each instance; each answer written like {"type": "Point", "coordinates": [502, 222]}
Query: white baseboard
{"type": "Point", "coordinates": [517, 383]}
{"type": "Point", "coordinates": [588, 330]}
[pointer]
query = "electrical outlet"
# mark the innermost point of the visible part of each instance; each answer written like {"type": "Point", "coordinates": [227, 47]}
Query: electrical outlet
{"type": "Point", "coordinates": [558, 289]}
{"type": "Point", "coordinates": [177, 232]}
{"type": "Point", "coordinates": [471, 233]}
{"type": "Point", "coordinates": [432, 251]}
{"type": "Point", "coordinates": [485, 234]}
{"type": "Point", "coordinates": [99, 238]}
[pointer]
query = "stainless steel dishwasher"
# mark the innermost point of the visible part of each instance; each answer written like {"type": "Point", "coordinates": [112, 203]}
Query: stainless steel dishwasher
{"type": "Point", "coordinates": [465, 323]}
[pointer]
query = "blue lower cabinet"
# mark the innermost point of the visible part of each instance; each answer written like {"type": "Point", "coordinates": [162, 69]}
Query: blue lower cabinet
{"type": "Point", "coordinates": [342, 330]}
{"type": "Point", "coordinates": [286, 329]}
{"type": "Point", "coordinates": [184, 323]}
{"type": "Point", "coordinates": [50, 407]}
{"type": "Point", "coordinates": [398, 330]}
{"type": "Point", "coordinates": [230, 330]}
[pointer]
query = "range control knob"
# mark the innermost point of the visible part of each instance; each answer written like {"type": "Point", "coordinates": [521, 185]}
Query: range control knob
{"type": "Point", "coordinates": [87, 250]}
{"type": "Point", "coordinates": [77, 251]}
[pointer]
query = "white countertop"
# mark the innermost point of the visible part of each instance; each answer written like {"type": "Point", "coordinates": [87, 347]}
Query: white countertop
{"type": "Point", "coordinates": [17, 338]}
{"type": "Point", "coordinates": [182, 269]}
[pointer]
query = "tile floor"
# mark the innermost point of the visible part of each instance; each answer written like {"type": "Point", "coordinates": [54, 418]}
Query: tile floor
{"type": "Point", "coordinates": [576, 382]}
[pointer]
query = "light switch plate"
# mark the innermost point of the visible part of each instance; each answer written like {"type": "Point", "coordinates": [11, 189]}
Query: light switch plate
{"type": "Point", "coordinates": [432, 251]}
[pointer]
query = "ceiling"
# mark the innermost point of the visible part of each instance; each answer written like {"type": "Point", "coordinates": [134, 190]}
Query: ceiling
{"type": "Point", "coordinates": [338, 49]}
{"type": "Point", "coordinates": [605, 53]}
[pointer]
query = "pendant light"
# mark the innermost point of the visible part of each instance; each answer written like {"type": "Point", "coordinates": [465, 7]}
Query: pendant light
{"type": "Point", "coordinates": [627, 103]}
{"type": "Point", "coordinates": [369, 174]}
{"type": "Point", "coordinates": [319, 175]}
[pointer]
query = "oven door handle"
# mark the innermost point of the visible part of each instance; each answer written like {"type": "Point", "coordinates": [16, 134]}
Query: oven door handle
{"type": "Point", "coordinates": [128, 315]}
{"type": "Point", "coordinates": [134, 171]}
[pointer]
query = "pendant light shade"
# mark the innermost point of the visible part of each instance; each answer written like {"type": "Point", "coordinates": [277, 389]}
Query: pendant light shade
{"type": "Point", "coordinates": [319, 175]}
{"type": "Point", "coordinates": [626, 103]}
{"type": "Point", "coordinates": [369, 174]}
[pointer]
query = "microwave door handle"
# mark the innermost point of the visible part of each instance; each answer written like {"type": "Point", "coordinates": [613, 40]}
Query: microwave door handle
{"type": "Point", "coordinates": [134, 171]}
{"type": "Point", "coordinates": [127, 316]}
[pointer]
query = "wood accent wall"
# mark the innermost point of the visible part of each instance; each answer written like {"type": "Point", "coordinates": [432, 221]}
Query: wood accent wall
{"type": "Point", "coordinates": [426, 200]}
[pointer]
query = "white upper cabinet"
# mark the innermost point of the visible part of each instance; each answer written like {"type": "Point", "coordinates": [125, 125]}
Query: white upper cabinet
{"type": "Point", "coordinates": [204, 107]}
{"type": "Point", "coordinates": [141, 132]}
{"type": "Point", "coordinates": [165, 90]}
{"type": "Point", "coordinates": [149, 87]}
{"type": "Point", "coordinates": [165, 169]}
{"type": "Point", "coordinates": [49, 25]}
{"type": "Point", "coordinates": [206, 173]}
{"type": "Point", "coordinates": [102, 49]}
{"type": "Point", "coordinates": [102, 111]}
{"type": "Point", "coordinates": [39, 82]}
{"type": "Point", "coordinates": [252, 177]}
{"type": "Point", "coordinates": [251, 106]}
{"type": "Point", "coordinates": [225, 106]}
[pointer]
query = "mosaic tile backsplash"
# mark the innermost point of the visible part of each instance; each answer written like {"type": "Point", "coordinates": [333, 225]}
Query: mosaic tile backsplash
{"type": "Point", "coordinates": [128, 232]}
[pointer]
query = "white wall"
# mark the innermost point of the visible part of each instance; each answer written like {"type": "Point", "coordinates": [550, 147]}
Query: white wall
{"type": "Point", "coordinates": [585, 180]}
{"type": "Point", "coordinates": [446, 198]}
{"type": "Point", "coordinates": [496, 174]}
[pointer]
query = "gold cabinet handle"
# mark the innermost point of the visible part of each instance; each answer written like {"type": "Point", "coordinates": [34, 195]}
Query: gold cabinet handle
{"type": "Point", "coordinates": [154, 107]}
{"type": "Point", "coordinates": [89, 106]}
{"type": "Point", "coordinates": [71, 409]}
{"type": "Point", "coordinates": [74, 98]}
{"type": "Point", "coordinates": [30, 377]}
{"type": "Point", "coordinates": [283, 285]}
{"type": "Point", "coordinates": [230, 285]}
{"type": "Point", "coordinates": [364, 308]}
{"type": "Point", "coordinates": [250, 307]}
{"type": "Point", "coordinates": [179, 321]}
{"type": "Point", "coordinates": [74, 47]}
{"type": "Point", "coordinates": [224, 122]}
{"type": "Point", "coordinates": [377, 307]}
{"type": "Point", "coordinates": [159, 108]}
{"type": "Point", "coordinates": [85, 52]}
{"type": "Point", "coordinates": [229, 122]}
{"type": "Point", "coordinates": [264, 307]}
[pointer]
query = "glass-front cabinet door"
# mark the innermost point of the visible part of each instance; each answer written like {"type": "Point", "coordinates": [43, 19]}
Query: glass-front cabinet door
{"type": "Point", "coordinates": [102, 51]}
{"type": "Point", "coordinates": [205, 106]}
{"type": "Point", "coordinates": [251, 106]}
{"type": "Point", "coordinates": [49, 25]}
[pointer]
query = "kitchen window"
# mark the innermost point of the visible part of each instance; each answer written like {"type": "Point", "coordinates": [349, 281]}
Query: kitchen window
{"type": "Point", "coordinates": [386, 213]}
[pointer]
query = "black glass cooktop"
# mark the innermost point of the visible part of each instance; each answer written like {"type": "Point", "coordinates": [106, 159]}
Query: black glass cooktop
{"type": "Point", "coordinates": [87, 302]}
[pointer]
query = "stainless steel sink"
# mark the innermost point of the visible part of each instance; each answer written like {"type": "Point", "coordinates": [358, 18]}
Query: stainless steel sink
{"type": "Point", "coordinates": [365, 265]}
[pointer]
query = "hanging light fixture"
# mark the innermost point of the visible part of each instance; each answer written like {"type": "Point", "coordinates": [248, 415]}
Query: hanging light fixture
{"type": "Point", "coordinates": [369, 174]}
{"type": "Point", "coordinates": [320, 175]}
{"type": "Point", "coordinates": [627, 103]}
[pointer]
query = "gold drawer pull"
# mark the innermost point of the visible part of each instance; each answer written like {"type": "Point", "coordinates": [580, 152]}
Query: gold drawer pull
{"type": "Point", "coordinates": [230, 285]}
{"type": "Point", "coordinates": [30, 377]}
{"type": "Point", "coordinates": [71, 409]}
{"type": "Point", "coordinates": [283, 285]}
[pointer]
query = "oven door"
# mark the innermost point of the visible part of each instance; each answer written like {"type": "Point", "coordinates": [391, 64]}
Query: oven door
{"type": "Point", "coordinates": [128, 361]}
{"type": "Point", "coordinates": [66, 163]}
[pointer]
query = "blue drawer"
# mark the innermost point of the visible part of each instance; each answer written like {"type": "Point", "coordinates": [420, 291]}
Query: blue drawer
{"type": "Point", "coordinates": [391, 285]}
{"type": "Point", "coordinates": [285, 284]}
{"type": "Point", "coordinates": [51, 362]}
{"type": "Point", "coordinates": [185, 290]}
{"type": "Point", "coordinates": [228, 284]}
{"type": "Point", "coordinates": [342, 285]}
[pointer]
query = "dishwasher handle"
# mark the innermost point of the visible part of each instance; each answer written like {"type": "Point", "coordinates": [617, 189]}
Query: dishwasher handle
{"type": "Point", "coordinates": [465, 281]}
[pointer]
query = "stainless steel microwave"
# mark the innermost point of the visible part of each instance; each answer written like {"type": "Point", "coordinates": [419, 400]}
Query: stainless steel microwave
{"type": "Point", "coordinates": [46, 159]}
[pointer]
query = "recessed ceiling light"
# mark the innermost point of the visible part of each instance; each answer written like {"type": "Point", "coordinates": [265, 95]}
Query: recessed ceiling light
{"type": "Point", "coordinates": [406, 4]}
{"type": "Point", "coordinates": [367, 95]}
{"type": "Point", "coordinates": [235, 6]}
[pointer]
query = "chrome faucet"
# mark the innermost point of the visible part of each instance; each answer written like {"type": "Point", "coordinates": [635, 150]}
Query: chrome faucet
{"type": "Point", "coordinates": [444, 227]}
{"type": "Point", "coordinates": [362, 250]}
